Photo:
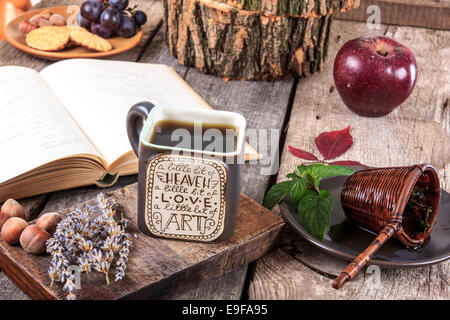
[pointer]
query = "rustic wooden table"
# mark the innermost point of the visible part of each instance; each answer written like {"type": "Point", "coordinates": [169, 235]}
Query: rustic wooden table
{"type": "Point", "coordinates": [418, 131]}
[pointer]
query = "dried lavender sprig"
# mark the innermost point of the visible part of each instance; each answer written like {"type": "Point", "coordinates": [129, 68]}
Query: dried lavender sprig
{"type": "Point", "coordinates": [93, 239]}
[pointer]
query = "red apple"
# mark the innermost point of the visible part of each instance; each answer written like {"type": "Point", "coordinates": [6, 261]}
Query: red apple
{"type": "Point", "coordinates": [374, 75]}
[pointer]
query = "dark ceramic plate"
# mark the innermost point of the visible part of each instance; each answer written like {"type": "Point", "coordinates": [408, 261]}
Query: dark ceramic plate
{"type": "Point", "coordinates": [346, 240]}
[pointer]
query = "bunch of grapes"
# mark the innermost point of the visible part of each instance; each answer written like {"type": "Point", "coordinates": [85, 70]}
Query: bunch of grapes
{"type": "Point", "coordinates": [109, 18]}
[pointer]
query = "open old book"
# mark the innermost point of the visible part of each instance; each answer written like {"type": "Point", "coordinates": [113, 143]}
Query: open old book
{"type": "Point", "coordinates": [65, 126]}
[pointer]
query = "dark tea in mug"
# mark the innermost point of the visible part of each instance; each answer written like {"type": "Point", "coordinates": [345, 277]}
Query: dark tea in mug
{"type": "Point", "coordinates": [217, 137]}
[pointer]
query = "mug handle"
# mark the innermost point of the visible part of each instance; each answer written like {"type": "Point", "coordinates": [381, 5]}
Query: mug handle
{"type": "Point", "coordinates": [136, 117]}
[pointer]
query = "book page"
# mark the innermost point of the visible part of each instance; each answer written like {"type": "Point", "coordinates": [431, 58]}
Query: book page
{"type": "Point", "coordinates": [34, 128]}
{"type": "Point", "coordinates": [99, 93]}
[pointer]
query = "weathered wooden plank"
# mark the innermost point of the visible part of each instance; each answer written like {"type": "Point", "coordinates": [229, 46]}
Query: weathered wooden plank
{"type": "Point", "coordinates": [433, 14]}
{"type": "Point", "coordinates": [157, 267]}
{"type": "Point", "coordinates": [9, 290]}
{"type": "Point", "coordinates": [227, 287]}
{"type": "Point", "coordinates": [280, 276]}
{"type": "Point", "coordinates": [416, 132]}
{"type": "Point", "coordinates": [12, 56]}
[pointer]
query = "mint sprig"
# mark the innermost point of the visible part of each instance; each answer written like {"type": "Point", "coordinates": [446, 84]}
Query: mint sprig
{"type": "Point", "coordinates": [314, 206]}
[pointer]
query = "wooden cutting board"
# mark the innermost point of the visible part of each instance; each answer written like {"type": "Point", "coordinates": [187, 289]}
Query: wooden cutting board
{"type": "Point", "coordinates": [157, 268]}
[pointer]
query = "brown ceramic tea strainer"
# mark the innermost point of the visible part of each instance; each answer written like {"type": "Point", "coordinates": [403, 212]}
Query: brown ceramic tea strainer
{"type": "Point", "coordinates": [376, 199]}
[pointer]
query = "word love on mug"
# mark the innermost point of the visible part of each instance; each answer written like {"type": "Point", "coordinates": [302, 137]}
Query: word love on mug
{"type": "Point", "coordinates": [185, 197]}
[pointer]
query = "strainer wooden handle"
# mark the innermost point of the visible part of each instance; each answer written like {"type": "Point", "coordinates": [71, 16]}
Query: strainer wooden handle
{"type": "Point", "coordinates": [361, 260]}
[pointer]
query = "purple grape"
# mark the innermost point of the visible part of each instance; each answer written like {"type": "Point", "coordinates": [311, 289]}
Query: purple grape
{"type": "Point", "coordinates": [140, 17]}
{"type": "Point", "coordinates": [82, 22]}
{"type": "Point", "coordinates": [95, 27]}
{"type": "Point", "coordinates": [111, 18]}
{"type": "Point", "coordinates": [119, 4]}
{"type": "Point", "coordinates": [91, 10]}
{"type": "Point", "coordinates": [127, 27]}
{"type": "Point", "coordinates": [104, 32]}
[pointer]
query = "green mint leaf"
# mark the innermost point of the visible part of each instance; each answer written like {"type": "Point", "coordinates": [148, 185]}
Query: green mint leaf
{"type": "Point", "coordinates": [298, 189]}
{"type": "Point", "coordinates": [321, 170]}
{"type": "Point", "coordinates": [310, 179]}
{"type": "Point", "coordinates": [276, 194]}
{"type": "Point", "coordinates": [314, 211]}
{"type": "Point", "coordinates": [301, 169]}
{"type": "Point", "coordinates": [291, 175]}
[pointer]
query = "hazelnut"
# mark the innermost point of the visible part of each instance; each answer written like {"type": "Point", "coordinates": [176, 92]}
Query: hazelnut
{"type": "Point", "coordinates": [23, 26]}
{"type": "Point", "coordinates": [49, 221]}
{"type": "Point", "coordinates": [44, 22]}
{"type": "Point", "coordinates": [57, 20]}
{"type": "Point", "coordinates": [11, 208]}
{"type": "Point", "coordinates": [26, 26]}
{"type": "Point", "coordinates": [33, 240]}
{"type": "Point", "coordinates": [34, 20]}
{"type": "Point", "coordinates": [46, 14]}
{"type": "Point", "coordinates": [12, 229]}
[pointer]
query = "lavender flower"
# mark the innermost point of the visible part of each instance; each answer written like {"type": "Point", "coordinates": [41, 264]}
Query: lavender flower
{"type": "Point", "coordinates": [94, 239]}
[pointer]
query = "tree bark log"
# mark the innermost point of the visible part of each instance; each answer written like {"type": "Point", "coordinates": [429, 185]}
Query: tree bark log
{"type": "Point", "coordinates": [295, 8]}
{"type": "Point", "coordinates": [238, 44]}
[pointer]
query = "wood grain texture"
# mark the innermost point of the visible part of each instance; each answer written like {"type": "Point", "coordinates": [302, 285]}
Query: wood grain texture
{"type": "Point", "coordinates": [416, 132]}
{"type": "Point", "coordinates": [157, 268]}
{"type": "Point", "coordinates": [10, 290]}
{"type": "Point", "coordinates": [433, 14]}
{"type": "Point", "coordinates": [229, 286]}
{"type": "Point", "coordinates": [279, 275]}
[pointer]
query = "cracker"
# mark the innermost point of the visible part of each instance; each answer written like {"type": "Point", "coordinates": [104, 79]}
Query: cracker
{"type": "Point", "coordinates": [48, 38]}
{"type": "Point", "coordinates": [84, 38]}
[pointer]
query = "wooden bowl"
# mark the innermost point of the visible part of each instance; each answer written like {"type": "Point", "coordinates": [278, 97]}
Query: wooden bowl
{"type": "Point", "coordinates": [17, 39]}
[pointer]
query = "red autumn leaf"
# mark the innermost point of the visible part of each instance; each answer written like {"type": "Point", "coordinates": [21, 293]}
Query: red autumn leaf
{"type": "Point", "coordinates": [332, 144]}
{"type": "Point", "coordinates": [346, 163]}
{"type": "Point", "coordinates": [302, 153]}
